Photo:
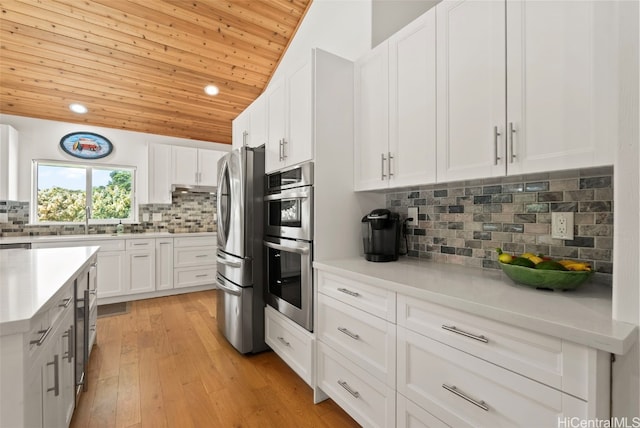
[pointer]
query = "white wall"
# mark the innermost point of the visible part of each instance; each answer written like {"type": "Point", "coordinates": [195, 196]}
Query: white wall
{"type": "Point", "coordinates": [341, 27]}
{"type": "Point", "coordinates": [40, 139]}
{"type": "Point", "coordinates": [388, 16]}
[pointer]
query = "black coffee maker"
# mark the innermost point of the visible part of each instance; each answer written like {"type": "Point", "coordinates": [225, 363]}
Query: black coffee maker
{"type": "Point", "coordinates": [381, 235]}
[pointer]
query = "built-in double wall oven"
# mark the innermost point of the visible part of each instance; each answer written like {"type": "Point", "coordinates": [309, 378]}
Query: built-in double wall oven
{"type": "Point", "coordinates": [289, 242]}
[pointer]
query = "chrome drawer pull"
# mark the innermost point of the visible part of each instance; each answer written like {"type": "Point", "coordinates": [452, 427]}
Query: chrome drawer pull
{"type": "Point", "coordinates": [202, 255]}
{"type": "Point", "coordinates": [349, 292]}
{"type": "Point", "coordinates": [284, 342]}
{"type": "Point", "coordinates": [202, 275]}
{"type": "Point", "coordinates": [66, 303]}
{"type": "Point", "coordinates": [454, 329]}
{"type": "Point", "coordinates": [56, 376]}
{"type": "Point", "coordinates": [455, 390]}
{"type": "Point", "coordinates": [348, 333]}
{"type": "Point", "coordinates": [346, 386]}
{"type": "Point", "coordinates": [44, 334]}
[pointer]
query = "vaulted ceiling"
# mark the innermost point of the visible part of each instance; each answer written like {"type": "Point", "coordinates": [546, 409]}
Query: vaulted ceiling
{"type": "Point", "coordinates": [141, 65]}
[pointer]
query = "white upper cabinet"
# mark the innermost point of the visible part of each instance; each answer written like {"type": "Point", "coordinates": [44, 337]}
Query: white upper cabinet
{"type": "Point", "coordinates": [371, 137]}
{"type": "Point", "coordinates": [250, 127]}
{"type": "Point", "coordinates": [289, 119]}
{"type": "Point", "coordinates": [545, 102]}
{"type": "Point", "coordinates": [412, 103]}
{"type": "Point", "coordinates": [159, 174]}
{"type": "Point", "coordinates": [8, 163]}
{"type": "Point", "coordinates": [195, 167]}
{"type": "Point", "coordinates": [471, 89]}
{"type": "Point", "coordinates": [395, 107]}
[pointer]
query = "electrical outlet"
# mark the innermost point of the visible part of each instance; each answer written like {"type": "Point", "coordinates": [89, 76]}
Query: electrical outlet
{"type": "Point", "coordinates": [562, 225]}
{"type": "Point", "coordinates": [413, 213]}
{"type": "Point", "coordinates": [157, 216]}
{"type": "Point", "coordinates": [145, 216]}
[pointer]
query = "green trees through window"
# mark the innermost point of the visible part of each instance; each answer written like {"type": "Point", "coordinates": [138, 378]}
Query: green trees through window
{"type": "Point", "coordinates": [62, 193]}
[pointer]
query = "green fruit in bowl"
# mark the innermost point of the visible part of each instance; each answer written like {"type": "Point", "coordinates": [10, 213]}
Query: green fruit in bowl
{"type": "Point", "coordinates": [550, 265]}
{"type": "Point", "coordinates": [545, 278]}
{"type": "Point", "coordinates": [521, 261]}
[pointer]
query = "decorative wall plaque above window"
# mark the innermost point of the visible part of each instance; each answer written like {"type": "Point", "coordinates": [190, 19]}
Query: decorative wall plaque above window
{"type": "Point", "coordinates": [86, 145]}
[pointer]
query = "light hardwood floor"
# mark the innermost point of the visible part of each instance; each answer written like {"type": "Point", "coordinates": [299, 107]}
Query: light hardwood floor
{"type": "Point", "coordinates": [164, 364]}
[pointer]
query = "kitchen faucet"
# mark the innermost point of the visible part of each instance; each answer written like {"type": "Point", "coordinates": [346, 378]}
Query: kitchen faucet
{"type": "Point", "coordinates": [87, 213]}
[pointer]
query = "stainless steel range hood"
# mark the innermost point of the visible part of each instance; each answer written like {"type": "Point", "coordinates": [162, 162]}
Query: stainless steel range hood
{"type": "Point", "coordinates": [190, 188]}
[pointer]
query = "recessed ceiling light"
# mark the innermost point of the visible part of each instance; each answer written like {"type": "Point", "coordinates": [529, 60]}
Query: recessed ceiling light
{"type": "Point", "coordinates": [78, 108]}
{"type": "Point", "coordinates": [211, 90]}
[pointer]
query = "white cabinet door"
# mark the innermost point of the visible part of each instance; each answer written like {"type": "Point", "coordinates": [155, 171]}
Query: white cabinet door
{"type": "Point", "coordinates": [164, 264]}
{"type": "Point", "coordinates": [52, 409]}
{"type": "Point", "coordinates": [412, 103]}
{"type": "Point", "coordinates": [184, 161]}
{"type": "Point", "coordinates": [470, 89]}
{"type": "Point", "coordinates": [112, 274]}
{"type": "Point", "coordinates": [159, 174]}
{"type": "Point", "coordinates": [208, 167]}
{"type": "Point", "coordinates": [8, 163]}
{"type": "Point", "coordinates": [561, 83]}
{"type": "Point", "coordinates": [67, 367]}
{"type": "Point", "coordinates": [299, 144]}
{"type": "Point", "coordinates": [240, 129]}
{"type": "Point", "coordinates": [258, 122]}
{"type": "Point", "coordinates": [276, 125]}
{"type": "Point", "coordinates": [141, 267]}
{"type": "Point", "coordinates": [371, 119]}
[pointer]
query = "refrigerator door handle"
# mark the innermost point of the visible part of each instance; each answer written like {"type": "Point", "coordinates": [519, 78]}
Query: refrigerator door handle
{"type": "Point", "coordinates": [220, 259]}
{"type": "Point", "coordinates": [287, 248]}
{"type": "Point", "coordinates": [225, 288]}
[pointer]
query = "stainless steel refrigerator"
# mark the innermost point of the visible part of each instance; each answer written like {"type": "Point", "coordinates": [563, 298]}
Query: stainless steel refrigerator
{"type": "Point", "coordinates": [240, 277]}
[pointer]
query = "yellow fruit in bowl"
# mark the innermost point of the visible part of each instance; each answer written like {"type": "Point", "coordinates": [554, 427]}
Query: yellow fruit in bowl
{"type": "Point", "coordinates": [535, 259]}
{"type": "Point", "coordinates": [528, 255]}
{"type": "Point", "coordinates": [505, 258]}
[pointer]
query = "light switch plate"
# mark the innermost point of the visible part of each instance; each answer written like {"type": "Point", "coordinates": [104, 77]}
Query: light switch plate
{"type": "Point", "coordinates": [4, 217]}
{"type": "Point", "coordinates": [145, 216]}
{"type": "Point", "coordinates": [157, 216]}
{"type": "Point", "coordinates": [562, 225]}
{"type": "Point", "coordinates": [413, 213]}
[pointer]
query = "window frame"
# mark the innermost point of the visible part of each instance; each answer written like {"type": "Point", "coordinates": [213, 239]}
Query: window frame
{"type": "Point", "coordinates": [33, 211]}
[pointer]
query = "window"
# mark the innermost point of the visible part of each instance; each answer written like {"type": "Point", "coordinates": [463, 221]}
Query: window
{"type": "Point", "coordinates": [62, 191]}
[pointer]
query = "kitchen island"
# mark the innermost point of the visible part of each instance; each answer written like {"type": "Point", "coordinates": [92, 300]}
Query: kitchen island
{"type": "Point", "coordinates": [460, 346]}
{"type": "Point", "coordinates": [37, 341]}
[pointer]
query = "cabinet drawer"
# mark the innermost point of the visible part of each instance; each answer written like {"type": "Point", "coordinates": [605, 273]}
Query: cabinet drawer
{"type": "Point", "coordinates": [191, 277]}
{"type": "Point", "coordinates": [543, 358]}
{"type": "Point", "coordinates": [410, 415]}
{"type": "Point", "coordinates": [62, 301]}
{"type": "Point", "coordinates": [291, 342]}
{"type": "Point", "coordinates": [140, 244]}
{"type": "Point", "coordinates": [195, 241]}
{"type": "Point", "coordinates": [465, 391]}
{"type": "Point", "coordinates": [364, 398]}
{"type": "Point", "coordinates": [196, 256]}
{"type": "Point", "coordinates": [376, 301]}
{"type": "Point", "coordinates": [368, 341]}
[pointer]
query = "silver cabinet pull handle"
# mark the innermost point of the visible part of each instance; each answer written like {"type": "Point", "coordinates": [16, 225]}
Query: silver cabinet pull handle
{"type": "Point", "coordinates": [66, 303]}
{"type": "Point", "coordinates": [141, 256]}
{"type": "Point", "coordinates": [202, 255]}
{"type": "Point", "coordinates": [511, 131]}
{"type": "Point", "coordinates": [280, 150]}
{"type": "Point", "coordinates": [389, 159]}
{"type": "Point", "coordinates": [349, 292]}
{"type": "Point", "coordinates": [202, 275]}
{"type": "Point", "coordinates": [143, 243]}
{"type": "Point", "coordinates": [382, 174]}
{"type": "Point", "coordinates": [44, 334]}
{"type": "Point", "coordinates": [284, 153]}
{"type": "Point", "coordinates": [348, 333]}
{"type": "Point", "coordinates": [457, 392]}
{"type": "Point", "coordinates": [454, 329]}
{"type": "Point", "coordinates": [346, 386]}
{"type": "Point", "coordinates": [284, 342]}
{"type": "Point", "coordinates": [72, 346]}
{"type": "Point", "coordinates": [496, 134]}
{"type": "Point", "coordinates": [56, 376]}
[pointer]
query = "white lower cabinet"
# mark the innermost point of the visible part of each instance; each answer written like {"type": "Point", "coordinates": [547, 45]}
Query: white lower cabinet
{"type": "Point", "coordinates": [291, 342]}
{"type": "Point", "coordinates": [164, 264]}
{"type": "Point", "coordinates": [445, 367]}
{"type": "Point", "coordinates": [194, 261]}
{"type": "Point", "coordinates": [141, 265]}
{"type": "Point", "coordinates": [366, 399]}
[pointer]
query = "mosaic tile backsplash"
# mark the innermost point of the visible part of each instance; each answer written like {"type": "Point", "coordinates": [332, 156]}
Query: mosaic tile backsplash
{"type": "Point", "coordinates": [464, 222]}
{"type": "Point", "coordinates": [188, 213]}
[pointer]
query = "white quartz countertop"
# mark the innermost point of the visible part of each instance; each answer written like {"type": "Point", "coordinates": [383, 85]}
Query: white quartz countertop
{"type": "Point", "coordinates": [29, 279]}
{"type": "Point", "coordinates": [582, 315]}
{"type": "Point", "coordinates": [98, 236]}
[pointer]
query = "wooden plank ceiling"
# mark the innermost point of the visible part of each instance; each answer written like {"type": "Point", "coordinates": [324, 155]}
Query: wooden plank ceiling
{"type": "Point", "coordinates": [141, 65]}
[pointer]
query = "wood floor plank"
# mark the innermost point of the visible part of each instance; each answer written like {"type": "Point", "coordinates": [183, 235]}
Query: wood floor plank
{"type": "Point", "coordinates": [165, 364]}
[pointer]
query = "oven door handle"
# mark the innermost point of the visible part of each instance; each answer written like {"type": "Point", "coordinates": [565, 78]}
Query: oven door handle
{"type": "Point", "coordinates": [297, 250]}
{"type": "Point", "coordinates": [287, 195]}
{"type": "Point", "coordinates": [225, 288]}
